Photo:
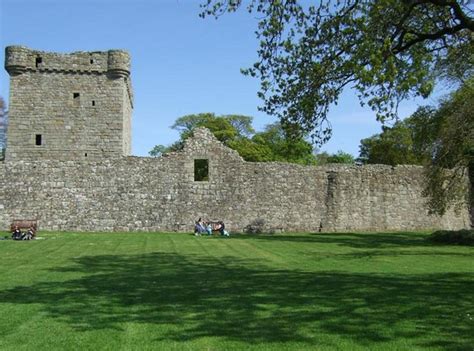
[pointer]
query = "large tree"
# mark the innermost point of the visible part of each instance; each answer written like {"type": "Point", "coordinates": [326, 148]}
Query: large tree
{"type": "Point", "coordinates": [286, 143]}
{"type": "Point", "coordinates": [387, 50]}
{"type": "Point", "coordinates": [452, 148]}
{"type": "Point", "coordinates": [440, 138]}
{"type": "Point", "coordinates": [394, 146]}
{"type": "Point", "coordinates": [325, 158]}
{"type": "Point", "coordinates": [276, 142]}
{"type": "Point", "coordinates": [225, 128]}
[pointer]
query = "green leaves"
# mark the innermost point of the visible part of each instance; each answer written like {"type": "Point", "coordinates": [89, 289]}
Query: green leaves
{"type": "Point", "coordinates": [441, 139]}
{"type": "Point", "coordinates": [158, 150]}
{"type": "Point", "coordinates": [453, 148]}
{"type": "Point", "coordinates": [388, 50]}
{"type": "Point", "coordinates": [324, 158]}
{"type": "Point", "coordinates": [278, 142]}
{"type": "Point", "coordinates": [393, 146]}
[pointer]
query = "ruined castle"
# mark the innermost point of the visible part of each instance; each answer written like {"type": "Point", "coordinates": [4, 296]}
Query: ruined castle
{"type": "Point", "coordinates": [68, 165]}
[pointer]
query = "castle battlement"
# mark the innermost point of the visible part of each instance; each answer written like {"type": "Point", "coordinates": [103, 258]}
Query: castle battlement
{"type": "Point", "coordinates": [20, 59]}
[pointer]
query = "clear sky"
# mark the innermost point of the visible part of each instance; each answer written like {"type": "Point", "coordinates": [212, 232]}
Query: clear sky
{"type": "Point", "coordinates": [181, 64]}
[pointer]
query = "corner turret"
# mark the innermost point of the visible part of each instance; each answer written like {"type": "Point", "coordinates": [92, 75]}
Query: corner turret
{"type": "Point", "coordinates": [16, 59]}
{"type": "Point", "coordinates": [118, 64]}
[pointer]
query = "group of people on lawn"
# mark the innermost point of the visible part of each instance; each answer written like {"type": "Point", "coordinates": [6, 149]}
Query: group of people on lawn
{"type": "Point", "coordinates": [17, 234]}
{"type": "Point", "coordinates": [200, 227]}
{"type": "Point", "coordinates": [207, 227]}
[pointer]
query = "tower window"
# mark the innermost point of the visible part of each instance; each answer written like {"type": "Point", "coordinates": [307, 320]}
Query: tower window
{"type": "Point", "coordinates": [38, 61]}
{"type": "Point", "coordinates": [92, 61]}
{"type": "Point", "coordinates": [75, 99]}
{"type": "Point", "coordinates": [93, 102]}
{"type": "Point", "coordinates": [201, 170]}
{"type": "Point", "coordinates": [38, 140]}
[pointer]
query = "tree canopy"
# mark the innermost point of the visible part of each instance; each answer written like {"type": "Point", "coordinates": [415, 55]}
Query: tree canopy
{"type": "Point", "coordinates": [277, 142]}
{"type": "Point", "coordinates": [394, 146]}
{"type": "Point", "coordinates": [440, 138]}
{"type": "Point", "coordinates": [452, 148]}
{"type": "Point", "coordinates": [324, 158]}
{"type": "Point", "coordinates": [387, 50]}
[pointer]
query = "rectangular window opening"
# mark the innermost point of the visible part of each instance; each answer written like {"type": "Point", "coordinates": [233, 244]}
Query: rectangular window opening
{"type": "Point", "coordinates": [92, 61]}
{"type": "Point", "coordinates": [201, 170]}
{"type": "Point", "coordinates": [76, 99]}
{"type": "Point", "coordinates": [38, 61]}
{"type": "Point", "coordinates": [93, 102]}
{"type": "Point", "coordinates": [38, 140]}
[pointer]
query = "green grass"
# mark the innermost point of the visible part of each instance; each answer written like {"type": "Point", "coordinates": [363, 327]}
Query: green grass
{"type": "Point", "coordinates": [147, 291]}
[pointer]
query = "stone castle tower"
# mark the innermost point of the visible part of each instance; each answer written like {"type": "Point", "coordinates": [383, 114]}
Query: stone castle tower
{"type": "Point", "coordinates": [68, 106]}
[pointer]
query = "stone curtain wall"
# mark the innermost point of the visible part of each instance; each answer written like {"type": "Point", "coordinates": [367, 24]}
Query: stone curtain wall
{"type": "Point", "coordinates": [381, 197]}
{"type": "Point", "coordinates": [160, 194]}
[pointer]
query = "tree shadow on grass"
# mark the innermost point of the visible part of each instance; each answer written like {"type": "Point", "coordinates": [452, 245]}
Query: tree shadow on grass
{"type": "Point", "coordinates": [244, 300]}
{"type": "Point", "coordinates": [352, 240]}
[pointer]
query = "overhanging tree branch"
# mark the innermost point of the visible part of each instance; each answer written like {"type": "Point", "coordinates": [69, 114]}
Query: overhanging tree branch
{"type": "Point", "coordinates": [420, 37]}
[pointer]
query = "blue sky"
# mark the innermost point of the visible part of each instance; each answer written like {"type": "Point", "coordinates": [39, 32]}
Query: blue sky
{"type": "Point", "coordinates": [181, 64]}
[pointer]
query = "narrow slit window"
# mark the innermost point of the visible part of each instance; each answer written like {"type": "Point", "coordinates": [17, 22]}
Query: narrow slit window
{"type": "Point", "coordinates": [76, 98]}
{"type": "Point", "coordinates": [38, 140]}
{"type": "Point", "coordinates": [85, 155]}
{"type": "Point", "coordinates": [39, 60]}
{"type": "Point", "coordinates": [93, 102]}
{"type": "Point", "coordinates": [92, 61]}
{"type": "Point", "coordinates": [201, 170]}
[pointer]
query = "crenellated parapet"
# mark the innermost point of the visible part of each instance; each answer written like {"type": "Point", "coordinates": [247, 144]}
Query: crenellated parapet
{"type": "Point", "coordinates": [114, 63]}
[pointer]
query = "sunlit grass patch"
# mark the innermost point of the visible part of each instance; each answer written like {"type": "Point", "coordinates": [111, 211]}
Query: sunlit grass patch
{"type": "Point", "coordinates": [354, 291]}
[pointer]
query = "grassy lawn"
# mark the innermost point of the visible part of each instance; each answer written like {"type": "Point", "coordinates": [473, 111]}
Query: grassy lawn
{"type": "Point", "coordinates": [148, 291]}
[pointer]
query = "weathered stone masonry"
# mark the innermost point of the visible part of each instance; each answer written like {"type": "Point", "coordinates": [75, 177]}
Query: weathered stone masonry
{"type": "Point", "coordinates": [139, 193]}
{"type": "Point", "coordinates": [107, 191]}
{"type": "Point", "coordinates": [70, 106]}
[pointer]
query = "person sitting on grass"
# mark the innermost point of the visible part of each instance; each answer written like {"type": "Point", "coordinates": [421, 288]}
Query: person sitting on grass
{"type": "Point", "coordinates": [29, 235]}
{"type": "Point", "coordinates": [199, 227]}
{"type": "Point", "coordinates": [16, 234]}
{"type": "Point", "coordinates": [221, 228]}
{"type": "Point", "coordinates": [32, 232]}
{"type": "Point", "coordinates": [209, 228]}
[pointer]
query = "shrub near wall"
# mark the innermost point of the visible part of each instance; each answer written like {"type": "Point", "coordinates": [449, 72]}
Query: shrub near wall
{"type": "Point", "coordinates": [453, 237]}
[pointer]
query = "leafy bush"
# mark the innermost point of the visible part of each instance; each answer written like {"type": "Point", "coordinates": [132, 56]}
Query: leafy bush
{"type": "Point", "coordinates": [453, 237]}
{"type": "Point", "coordinates": [256, 227]}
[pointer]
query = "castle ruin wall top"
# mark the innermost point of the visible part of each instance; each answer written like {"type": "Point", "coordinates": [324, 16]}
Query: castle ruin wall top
{"type": "Point", "coordinates": [115, 63]}
{"type": "Point", "coordinates": [19, 59]}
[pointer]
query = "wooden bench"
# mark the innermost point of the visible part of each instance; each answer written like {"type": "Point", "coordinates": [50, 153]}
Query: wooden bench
{"type": "Point", "coordinates": [24, 224]}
